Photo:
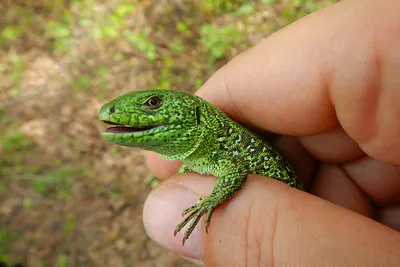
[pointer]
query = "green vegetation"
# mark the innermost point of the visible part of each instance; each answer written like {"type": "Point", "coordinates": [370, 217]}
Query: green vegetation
{"type": "Point", "coordinates": [223, 6]}
{"type": "Point", "coordinates": [140, 40]}
{"type": "Point", "coordinates": [13, 145]}
{"type": "Point", "coordinates": [61, 185]}
{"type": "Point", "coordinates": [59, 34]}
{"type": "Point", "coordinates": [62, 260]}
{"type": "Point", "coordinates": [59, 180]}
{"type": "Point", "coordinates": [11, 33]}
{"type": "Point", "coordinates": [6, 239]}
{"type": "Point", "coordinates": [218, 41]}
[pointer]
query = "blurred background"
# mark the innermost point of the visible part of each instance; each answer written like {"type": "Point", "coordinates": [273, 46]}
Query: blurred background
{"type": "Point", "coordinates": [67, 197]}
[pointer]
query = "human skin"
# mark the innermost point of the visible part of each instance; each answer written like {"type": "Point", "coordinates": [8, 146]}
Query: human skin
{"type": "Point", "coordinates": [331, 81]}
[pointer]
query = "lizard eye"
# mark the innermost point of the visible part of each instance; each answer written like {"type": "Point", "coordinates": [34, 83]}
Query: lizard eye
{"type": "Point", "coordinates": [153, 102]}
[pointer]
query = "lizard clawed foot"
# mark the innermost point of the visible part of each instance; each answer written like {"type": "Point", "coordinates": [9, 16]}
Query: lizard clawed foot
{"type": "Point", "coordinates": [194, 213]}
{"type": "Point", "coordinates": [190, 208]}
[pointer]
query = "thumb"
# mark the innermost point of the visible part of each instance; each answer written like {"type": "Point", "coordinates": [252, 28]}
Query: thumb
{"type": "Point", "coordinates": [268, 223]}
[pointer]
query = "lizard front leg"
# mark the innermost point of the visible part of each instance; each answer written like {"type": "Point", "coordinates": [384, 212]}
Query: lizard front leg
{"type": "Point", "coordinates": [232, 176]}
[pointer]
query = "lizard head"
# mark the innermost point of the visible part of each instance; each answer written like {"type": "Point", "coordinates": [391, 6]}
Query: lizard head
{"type": "Point", "coordinates": [163, 121]}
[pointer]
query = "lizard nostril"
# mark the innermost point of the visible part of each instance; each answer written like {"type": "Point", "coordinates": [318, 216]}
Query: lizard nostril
{"type": "Point", "coordinates": [112, 109]}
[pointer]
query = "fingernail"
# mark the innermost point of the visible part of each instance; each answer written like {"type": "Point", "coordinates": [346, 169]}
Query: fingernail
{"type": "Point", "coordinates": [163, 211]}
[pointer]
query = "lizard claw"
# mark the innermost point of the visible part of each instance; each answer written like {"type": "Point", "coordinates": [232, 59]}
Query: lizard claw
{"type": "Point", "coordinates": [194, 213]}
{"type": "Point", "coordinates": [188, 209]}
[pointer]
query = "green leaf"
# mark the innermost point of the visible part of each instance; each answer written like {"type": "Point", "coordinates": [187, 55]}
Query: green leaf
{"type": "Point", "coordinates": [142, 43]}
{"type": "Point", "coordinates": [219, 40]}
{"type": "Point", "coordinates": [58, 30]}
{"type": "Point", "coordinates": [109, 31]}
{"type": "Point", "coordinates": [177, 46]}
{"type": "Point", "coordinates": [62, 260]}
{"type": "Point", "coordinates": [124, 10]}
{"type": "Point", "coordinates": [3, 188]}
{"type": "Point", "coordinates": [11, 33]}
{"type": "Point", "coordinates": [69, 226]}
{"type": "Point", "coordinates": [182, 27]}
{"type": "Point", "coordinates": [269, 1]}
{"type": "Point", "coordinates": [39, 186]}
{"type": "Point", "coordinates": [245, 9]}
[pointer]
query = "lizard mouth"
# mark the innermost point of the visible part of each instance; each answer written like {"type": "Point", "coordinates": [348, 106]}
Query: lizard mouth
{"type": "Point", "coordinates": [121, 129]}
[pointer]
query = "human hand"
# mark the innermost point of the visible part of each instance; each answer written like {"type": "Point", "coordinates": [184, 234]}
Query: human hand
{"type": "Point", "coordinates": [331, 79]}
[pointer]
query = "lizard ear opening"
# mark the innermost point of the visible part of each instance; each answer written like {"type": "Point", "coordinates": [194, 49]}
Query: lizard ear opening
{"type": "Point", "coordinates": [197, 114]}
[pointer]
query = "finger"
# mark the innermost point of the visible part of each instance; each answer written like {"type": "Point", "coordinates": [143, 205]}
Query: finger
{"type": "Point", "coordinates": [333, 184]}
{"type": "Point", "coordinates": [163, 211]}
{"type": "Point", "coordinates": [364, 185]}
{"type": "Point", "coordinates": [272, 223]}
{"type": "Point", "coordinates": [391, 216]}
{"type": "Point", "coordinates": [305, 82]}
{"type": "Point", "coordinates": [268, 221]}
{"type": "Point", "coordinates": [333, 146]}
{"type": "Point", "coordinates": [159, 167]}
{"type": "Point", "coordinates": [380, 181]}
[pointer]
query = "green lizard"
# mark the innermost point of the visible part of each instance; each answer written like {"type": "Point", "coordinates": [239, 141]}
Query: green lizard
{"type": "Point", "coordinates": [182, 126]}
